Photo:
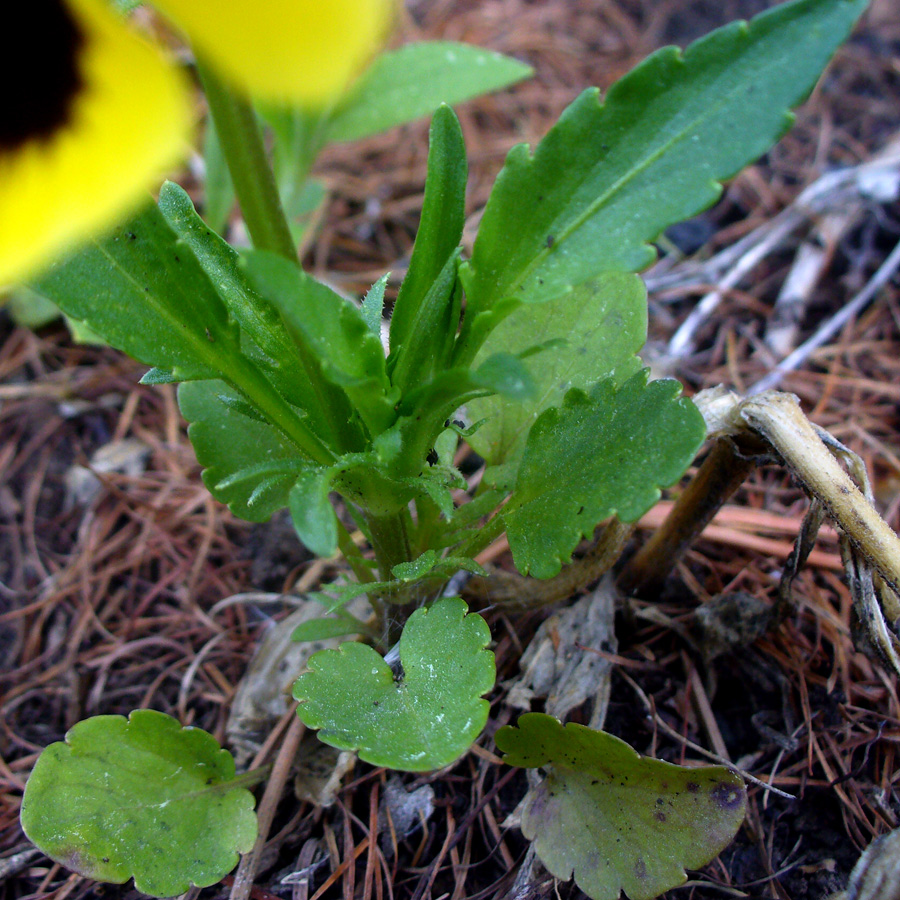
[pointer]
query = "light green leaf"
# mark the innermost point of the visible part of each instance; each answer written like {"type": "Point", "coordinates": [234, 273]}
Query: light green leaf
{"type": "Point", "coordinates": [144, 292]}
{"type": "Point", "coordinates": [29, 309]}
{"type": "Point", "coordinates": [312, 513]}
{"type": "Point", "coordinates": [372, 307]}
{"type": "Point", "coordinates": [139, 797]}
{"type": "Point", "coordinates": [426, 315]}
{"type": "Point", "coordinates": [423, 721]}
{"type": "Point", "coordinates": [616, 820]}
{"type": "Point", "coordinates": [603, 453]}
{"type": "Point", "coordinates": [600, 326]}
{"type": "Point", "coordinates": [610, 177]}
{"type": "Point", "coordinates": [247, 463]}
{"type": "Point", "coordinates": [405, 84]}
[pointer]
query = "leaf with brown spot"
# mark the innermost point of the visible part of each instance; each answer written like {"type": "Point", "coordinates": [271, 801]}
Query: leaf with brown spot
{"type": "Point", "coordinates": [615, 820]}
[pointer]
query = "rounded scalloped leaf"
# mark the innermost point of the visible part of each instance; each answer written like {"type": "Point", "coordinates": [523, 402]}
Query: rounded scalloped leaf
{"type": "Point", "coordinates": [424, 720]}
{"type": "Point", "coordinates": [140, 797]}
{"type": "Point", "coordinates": [605, 452]}
{"type": "Point", "coordinates": [616, 820]}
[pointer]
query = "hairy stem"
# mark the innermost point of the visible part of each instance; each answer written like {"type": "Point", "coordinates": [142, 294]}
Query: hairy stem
{"type": "Point", "coordinates": [515, 590]}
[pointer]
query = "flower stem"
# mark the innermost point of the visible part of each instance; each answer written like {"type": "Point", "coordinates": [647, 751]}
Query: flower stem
{"type": "Point", "coordinates": [251, 173]}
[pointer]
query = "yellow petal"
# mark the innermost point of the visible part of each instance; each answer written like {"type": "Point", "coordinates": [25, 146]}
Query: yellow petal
{"type": "Point", "coordinates": [85, 145]}
{"type": "Point", "coordinates": [296, 51]}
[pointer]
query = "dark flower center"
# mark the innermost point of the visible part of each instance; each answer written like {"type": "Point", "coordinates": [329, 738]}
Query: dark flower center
{"type": "Point", "coordinates": [39, 70]}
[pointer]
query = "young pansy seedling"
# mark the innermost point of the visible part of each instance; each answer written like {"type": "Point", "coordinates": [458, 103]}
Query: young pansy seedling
{"type": "Point", "coordinates": [292, 399]}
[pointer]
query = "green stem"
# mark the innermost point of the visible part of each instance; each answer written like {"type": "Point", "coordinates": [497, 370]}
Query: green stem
{"type": "Point", "coordinates": [390, 541]}
{"type": "Point", "coordinates": [251, 173]}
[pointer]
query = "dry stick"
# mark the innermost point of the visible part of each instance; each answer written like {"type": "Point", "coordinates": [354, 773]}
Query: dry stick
{"type": "Point", "coordinates": [813, 257]}
{"type": "Point", "coordinates": [779, 419]}
{"type": "Point", "coordinates": [721, 474]}
{"type": "Point", "coordinates": [832, 326]}
{"type": "Point", "coordinates": [246, 873]}
{"type": "Point", "coordinates": [682, 342]}
{"type": "Point", "coordinates": [833, 191]}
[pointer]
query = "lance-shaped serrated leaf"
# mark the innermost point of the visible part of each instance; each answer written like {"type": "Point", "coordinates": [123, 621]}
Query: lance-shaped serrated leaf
{"type": "Point", "coordinates": [139, 797]}
{"type": "Point", "coordinates": [248, 464]}
{"type": "Point", "coordinates": [595, 330]}
{"type": "Point", "coordinates": [615, 820]}
{"type": "Point", "coordinates": [604, 453]}
{"type": "Point", "coordinates": [335, 331]}
{"type": "Point", "coordinates": [272, 348]}
{"type": "Point", "coordinates": [424, 720]}
{"type": "Point", "coordinates": [426, 314]}
{"type": "Point", "coordinates": [144, 292]}
{"type": "Point", "coordinates": [402, 85]}
{"type": "Point", "coordinates": [610, 177]}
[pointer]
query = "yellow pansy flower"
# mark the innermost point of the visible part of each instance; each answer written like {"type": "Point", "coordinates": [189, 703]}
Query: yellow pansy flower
{"type": "Point", "coordinates": [83, 134]}
{"type": "Point", "coordinates": [295, 51]}
{"type": "Point", "coordinates": [102, 113]}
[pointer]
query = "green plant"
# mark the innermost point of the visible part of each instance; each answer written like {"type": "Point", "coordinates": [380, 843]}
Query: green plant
{"type": "Point", "coordinates": [291, 400]}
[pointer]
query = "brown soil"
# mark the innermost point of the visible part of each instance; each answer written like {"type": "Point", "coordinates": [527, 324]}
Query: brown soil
{"type": "Point", "coordinates": [105, 608]}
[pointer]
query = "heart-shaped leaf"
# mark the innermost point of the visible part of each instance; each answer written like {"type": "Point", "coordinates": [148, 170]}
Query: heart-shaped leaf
{"type": "Point", "coordinates": [423, 720]}
{"type": "Point", "coordinates": [616, 820]}
{"type": "Point", "coordinates": [139, 797]}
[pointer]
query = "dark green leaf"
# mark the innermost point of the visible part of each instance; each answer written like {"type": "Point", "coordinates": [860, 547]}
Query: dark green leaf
{"type": "Point", "coordinates": [247, 463]}
{"type": "Point", "coordinates": [405, 84]}
{"type": "Point", "coordinates": [425, 320]}
{"type": "Point", "coordinates": [350, 355]}
{"type": "Point", "coordinates": [431, 562]}
{"type": "Point", "coordinates": [610, 177]}
{"type": "Point", "coordinates": [600, 454]}
{"type": "Point", "coordinates": [258, 319]}
{"type": "Point", "coordinates": [142, 290]}
{"type": "Point", "coordinates": [312, 512]}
